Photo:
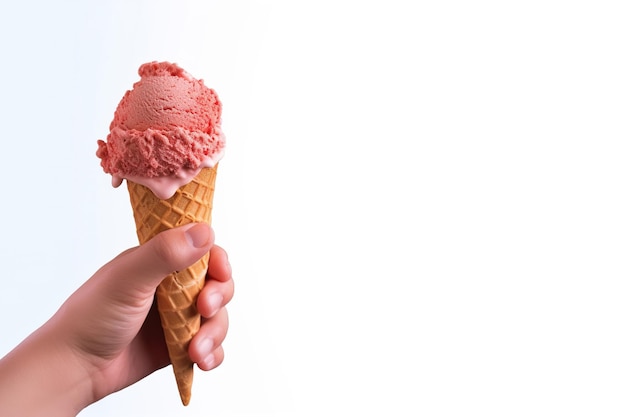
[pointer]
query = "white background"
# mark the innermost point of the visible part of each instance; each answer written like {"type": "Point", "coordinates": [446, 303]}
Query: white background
{"type": "Point", "coordinates": [424, 206]}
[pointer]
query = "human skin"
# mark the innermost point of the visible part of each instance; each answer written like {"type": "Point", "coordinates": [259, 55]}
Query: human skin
{"type": "Point", "coordinates": [107, 335]}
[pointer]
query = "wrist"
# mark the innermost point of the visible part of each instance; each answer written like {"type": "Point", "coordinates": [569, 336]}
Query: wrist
{"type": "Point", "coordinates": [44, 377]}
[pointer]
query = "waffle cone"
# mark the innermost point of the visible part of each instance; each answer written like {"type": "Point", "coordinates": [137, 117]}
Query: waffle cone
{"type": "Point", "coordinates": [177, 294]}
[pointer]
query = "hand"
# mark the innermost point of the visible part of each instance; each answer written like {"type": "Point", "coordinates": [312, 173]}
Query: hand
{"type": "Point", "coordinates": [107, 334]}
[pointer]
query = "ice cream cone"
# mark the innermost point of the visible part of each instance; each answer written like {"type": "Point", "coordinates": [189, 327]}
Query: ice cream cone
{"type": "Point", "coordinates": [178, 292]}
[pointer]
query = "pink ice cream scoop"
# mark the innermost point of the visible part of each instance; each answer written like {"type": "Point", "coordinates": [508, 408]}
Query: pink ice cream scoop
{"type": "Point", "coordinates": [164, 131]}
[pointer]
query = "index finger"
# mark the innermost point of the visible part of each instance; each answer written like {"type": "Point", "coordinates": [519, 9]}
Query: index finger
{"type": "Point", "coordinates": [219, 267]}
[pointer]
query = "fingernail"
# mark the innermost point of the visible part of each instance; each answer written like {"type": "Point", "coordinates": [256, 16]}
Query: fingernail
{"type": "Point", "coordinates": [198, 235]}
{"type": "Point", "coordinates": [205, 346]}
{"type": "Point", "coordinates": [215, 302]}
{"type": "Point", "coordinates": [209, 361]}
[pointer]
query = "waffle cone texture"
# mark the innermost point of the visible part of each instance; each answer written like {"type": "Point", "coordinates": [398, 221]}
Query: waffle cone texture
{"type": "Point", "coordinates": [177, 294]}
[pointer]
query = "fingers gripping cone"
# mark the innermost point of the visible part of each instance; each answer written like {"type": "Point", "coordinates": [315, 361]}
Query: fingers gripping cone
{"type": "Point", "coordinates": [178, 292]}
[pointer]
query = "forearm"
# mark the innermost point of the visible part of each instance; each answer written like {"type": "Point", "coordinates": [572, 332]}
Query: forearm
{"type": "Point", "coordinates": [43, 377]}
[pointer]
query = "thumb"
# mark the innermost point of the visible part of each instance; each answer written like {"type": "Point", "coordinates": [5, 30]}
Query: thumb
{"type": "Point", "coordinates": [143, 268]}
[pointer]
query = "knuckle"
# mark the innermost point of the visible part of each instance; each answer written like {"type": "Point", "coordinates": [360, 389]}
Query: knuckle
{"type": "Point", "coordinates": [166, 253]}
